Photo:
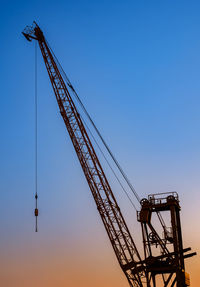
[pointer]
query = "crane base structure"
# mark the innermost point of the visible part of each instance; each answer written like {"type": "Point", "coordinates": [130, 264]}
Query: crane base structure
{"type": "Point", "coordinates": [167, 263]}
{"type": "Point", "coordinates": [163, 263]}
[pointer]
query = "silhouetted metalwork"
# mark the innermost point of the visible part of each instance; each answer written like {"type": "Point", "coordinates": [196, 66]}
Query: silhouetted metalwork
{"type": "Point", "coordinates": [159, 258]}
{"type": "Point", "coordinates": [168, 261]}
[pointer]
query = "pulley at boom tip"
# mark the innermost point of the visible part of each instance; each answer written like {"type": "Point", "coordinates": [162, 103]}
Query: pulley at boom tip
{"type": "Point", "coordinates": [33, 32]}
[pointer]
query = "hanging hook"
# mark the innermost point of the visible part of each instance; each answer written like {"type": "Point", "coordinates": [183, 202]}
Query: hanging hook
{"type": "Point", "coordinates": [36, 212]}
{"type": "Point", "coordinates": [36, 159]}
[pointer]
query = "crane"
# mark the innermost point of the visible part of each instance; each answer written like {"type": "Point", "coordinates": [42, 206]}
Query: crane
{"type": "Point", "coordinates": [139, 272]}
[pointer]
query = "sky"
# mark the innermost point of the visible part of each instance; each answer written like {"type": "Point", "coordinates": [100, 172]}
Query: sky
{"type": "Point", "coordinates": [136, 66]}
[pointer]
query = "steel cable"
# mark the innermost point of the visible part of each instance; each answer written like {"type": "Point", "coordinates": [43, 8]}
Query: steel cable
{"type": "Point", "coordinates": [96, 129]}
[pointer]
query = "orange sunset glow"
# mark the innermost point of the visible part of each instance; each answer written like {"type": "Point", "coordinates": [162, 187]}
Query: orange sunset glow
{"type": "Point", "coordinates": [128, 107]}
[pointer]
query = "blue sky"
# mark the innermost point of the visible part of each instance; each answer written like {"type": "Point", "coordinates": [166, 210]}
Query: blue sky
{"type": "Point", "coordinates": [136, 67]}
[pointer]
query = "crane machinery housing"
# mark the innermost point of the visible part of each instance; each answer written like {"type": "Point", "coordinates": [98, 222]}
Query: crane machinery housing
{"type": "Point", "coordinates": [164, 256]}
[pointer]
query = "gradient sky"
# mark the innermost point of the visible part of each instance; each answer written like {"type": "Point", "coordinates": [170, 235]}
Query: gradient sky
{"type": "Point", "coordinates": [136, 67]}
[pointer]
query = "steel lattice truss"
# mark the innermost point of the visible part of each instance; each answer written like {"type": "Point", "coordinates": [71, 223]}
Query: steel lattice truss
{"type": "Point", "coordinates": [108, 208]}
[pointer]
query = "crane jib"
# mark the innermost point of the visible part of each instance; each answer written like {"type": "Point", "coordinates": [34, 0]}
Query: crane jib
{"type": "Point", "coordinates": [113, 220]}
